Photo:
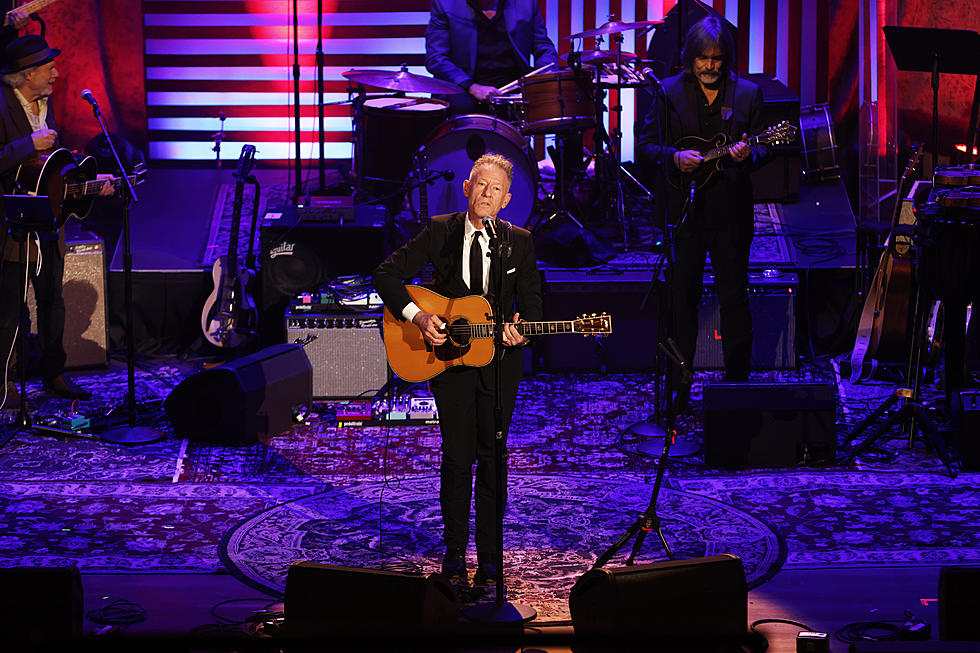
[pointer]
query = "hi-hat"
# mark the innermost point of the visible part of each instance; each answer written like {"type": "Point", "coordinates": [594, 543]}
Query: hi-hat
{"type": "Point", "coordinates": [402, 81]}
{"type": "Point", "coordinates": [614, 27]}
{"type": "Point", "coordinates": [602, 56]}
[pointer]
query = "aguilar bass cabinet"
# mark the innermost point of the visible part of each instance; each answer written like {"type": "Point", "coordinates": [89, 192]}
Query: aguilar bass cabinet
{"type": "Point", "coordinates": [345, 349]}
{"type": "Point", "coordinates": [86, 332]}
{"type": "Point", "coordinates": [298, 257]}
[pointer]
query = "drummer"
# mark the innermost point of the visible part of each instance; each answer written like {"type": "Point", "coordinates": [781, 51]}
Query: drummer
{"type": "Point", "coordinates": [483, 45]}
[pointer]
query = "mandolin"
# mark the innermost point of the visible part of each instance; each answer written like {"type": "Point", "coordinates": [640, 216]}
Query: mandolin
{"type": "Point", "coordinates": [716, 149]}
{"type": "Point", "coordinates": [229, 316]}
{"type": "Point", "coordinates": [470, 329]}
{"type": "Point", "coordinates": [883, 328]}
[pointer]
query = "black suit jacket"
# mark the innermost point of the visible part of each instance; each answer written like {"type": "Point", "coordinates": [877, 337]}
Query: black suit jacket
{"type": "Point", "coordinates": [441, 243]}
{"type": "Point", "coordinates": [16, 146]}
{"type": "Point", "coordinates": [744, 98]}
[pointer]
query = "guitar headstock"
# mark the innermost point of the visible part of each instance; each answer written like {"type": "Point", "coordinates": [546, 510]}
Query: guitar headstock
{"type": "Point", "coordinates": [139, 173]}
{"type": "Point", "coordinates": [246, 162]}
{"type": "Point", "coordinates": [593, 325]}
{"type": "Point", "coordinates": [779, 134]}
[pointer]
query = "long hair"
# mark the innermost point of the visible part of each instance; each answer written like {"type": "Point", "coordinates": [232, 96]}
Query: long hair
{"type": "Point", "coordinates": [705, 34]}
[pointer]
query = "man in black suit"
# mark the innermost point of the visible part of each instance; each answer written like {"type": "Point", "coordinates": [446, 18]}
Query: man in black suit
{"type": "Point", "coordinates": [27, 127]}
{"type": "Point", "coordinates": [457, 247]}
{"type": "Point", "coordinates": [707, 98]}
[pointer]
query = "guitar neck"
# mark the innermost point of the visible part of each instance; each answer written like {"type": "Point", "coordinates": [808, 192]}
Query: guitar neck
{"type": "Point", "coordinates": [36, 5]}
{"type": "Point", "coordinates": [725, 150]}
{"type": "Point", "coordinates": [95, 186]}
{"type": "Point", "coordinates": [485, 329]}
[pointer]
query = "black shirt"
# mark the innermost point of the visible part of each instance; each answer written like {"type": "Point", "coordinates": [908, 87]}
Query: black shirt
{"type": "Point", "coordinates": [496, 62]}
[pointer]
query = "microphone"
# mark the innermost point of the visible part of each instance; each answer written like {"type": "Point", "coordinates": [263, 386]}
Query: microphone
{"type": "Point", "coordinates": [650, 77]}
{"type": "Point", "coordinates": [448, 175]}
{"type": "Point", "coordinates": [488, 225]}
{"type": "Point", "coordinates": [88, 97]}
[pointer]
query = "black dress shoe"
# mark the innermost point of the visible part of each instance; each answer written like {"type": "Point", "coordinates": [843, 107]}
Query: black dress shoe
{"type": "Point", "coordinates": [486, 574]}
{"type": "Point", "coordinates": [61, 387]}
{"type": "Point", "coordinates": [454, 565]}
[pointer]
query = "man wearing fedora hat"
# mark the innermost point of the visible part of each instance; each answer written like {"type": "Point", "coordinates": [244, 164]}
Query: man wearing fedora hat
{"type": "Point", "coordinates": [26, 127]}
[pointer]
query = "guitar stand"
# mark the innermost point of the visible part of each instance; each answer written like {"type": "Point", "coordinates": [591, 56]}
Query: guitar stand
{"type": "Point", "coordinates": [911, 411]}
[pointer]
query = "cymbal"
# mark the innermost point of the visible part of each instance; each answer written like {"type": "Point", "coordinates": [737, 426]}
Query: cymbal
{"type": "Point", "coordinates": [402, 81]}
{"type": "Point", "coordinates": [601, 56]}
{"type": "Point", "coordinates": [614, 27]}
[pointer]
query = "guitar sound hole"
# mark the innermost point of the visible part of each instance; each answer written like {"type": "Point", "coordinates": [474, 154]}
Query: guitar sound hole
{"type": "Point", "coordinates": [459, 332]}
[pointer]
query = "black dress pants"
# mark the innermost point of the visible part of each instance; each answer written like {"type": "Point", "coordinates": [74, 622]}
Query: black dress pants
{"type": "Point", "coordinates": [729, 250]}
{"type": "Point", "coordinates": [465, 400]}
{"type": "Point", "coordinates": [50, 307]}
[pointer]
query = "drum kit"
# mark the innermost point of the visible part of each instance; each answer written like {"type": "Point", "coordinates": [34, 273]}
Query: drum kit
{"type": "Point", "coordinates": [406, 144]}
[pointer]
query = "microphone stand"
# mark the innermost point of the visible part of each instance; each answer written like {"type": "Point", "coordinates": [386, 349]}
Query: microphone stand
{"type": "Point", "coordinates": [500, 611]}
{"type": "Point", "coordinates": [653, 428]}
{"type": "Point", "coordinates": [649, 520]}
{"type": "Point", "coordinates": [132, 434]}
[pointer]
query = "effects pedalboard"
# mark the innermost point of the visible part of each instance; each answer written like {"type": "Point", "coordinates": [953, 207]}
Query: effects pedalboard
{"type": "Point", "coordinates": [402, 411]}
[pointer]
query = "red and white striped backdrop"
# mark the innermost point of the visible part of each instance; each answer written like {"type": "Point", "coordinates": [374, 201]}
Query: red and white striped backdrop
{"type": "Point", "coordinates": [235, 56]}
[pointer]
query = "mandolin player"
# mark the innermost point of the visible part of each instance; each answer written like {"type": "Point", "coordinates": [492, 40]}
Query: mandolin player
{"type": "Point", "coordinates": [26, 128]}
{"type": "Point", "coordinates": [712, 213]}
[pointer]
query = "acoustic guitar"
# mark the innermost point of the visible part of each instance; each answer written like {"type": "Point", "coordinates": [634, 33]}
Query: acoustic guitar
{"type": "Point", "coordinates": [229, 316]}
{"type": "Point", "coordinates": [883, 327]}
{"type": "Point", "coordinates": [470, 331]}
{"type": "Point", "coordinates": [716, 149]}
{"type": "Point", "coordinates": [70, 184]}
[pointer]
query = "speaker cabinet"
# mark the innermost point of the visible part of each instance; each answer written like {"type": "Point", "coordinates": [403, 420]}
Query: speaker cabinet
{"type": "Point", "coordinates": [959, 603]}
{"type": "Point", "coordinates": [325, 600]}
{"type": "Point", "coordinates": [86, 324]}
{"type": "Point", "coordinates": [769, 424]}
{"type": "Point", "coordinates": [244, 400]}
{"type": "Point", "coordinates": [773, 306]}
{"type": "Point", "coordinates": [299, 257]}
{"type": "Point", "coordinates": [698, 599]}
{"type": "Point", "coordinates": [346, 351]}
{"type": "Point", "coordinates": [47, 602]}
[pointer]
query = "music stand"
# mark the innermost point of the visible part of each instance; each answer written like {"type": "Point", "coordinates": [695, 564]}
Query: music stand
{"type": "Point", "coordinates": [25, 214]}
{"type": "Point", "coordinates": [932, 50]}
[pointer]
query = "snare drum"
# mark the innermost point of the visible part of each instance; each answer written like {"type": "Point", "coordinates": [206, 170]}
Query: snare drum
{"type": "Point", "coordinates": [460, 141]}
{"type": "Point", "coordinates": [509, 108]}
{"type": "Point", "coordinates": [394, 128]}
{"type": "Point", "coordinates": [558, 101]}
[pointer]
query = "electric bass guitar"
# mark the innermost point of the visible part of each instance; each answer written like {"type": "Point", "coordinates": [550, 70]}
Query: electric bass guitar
{"type": "Point", "coordinates": [70, 184]}
{"type": "Point", "coordinates": [229, 316]}
{"type": "Point", "coordinates": [715, 150]}
{"type": "Point", "coordinates": [29, 8]}
{"type": "Point", "coordinates": [470, 331]}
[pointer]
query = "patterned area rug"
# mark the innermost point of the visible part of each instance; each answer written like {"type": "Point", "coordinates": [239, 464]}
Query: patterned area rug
{"type": "Point", "coordinates": [127, 527]}
{"type": "Point", "coordinates": [556, 526]}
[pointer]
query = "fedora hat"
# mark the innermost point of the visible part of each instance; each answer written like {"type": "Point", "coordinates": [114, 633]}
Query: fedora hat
{"type": "Point", "coordinates": [26, 52]}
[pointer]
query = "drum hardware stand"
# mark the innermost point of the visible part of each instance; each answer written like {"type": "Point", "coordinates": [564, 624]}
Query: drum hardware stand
{"type": "Point", "coordinates": [649, 520]}
{"type": "Point", "coordinates": [911, 410]}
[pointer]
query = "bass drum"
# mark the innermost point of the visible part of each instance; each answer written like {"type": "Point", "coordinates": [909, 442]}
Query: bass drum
{"type": "Point", "coordinates": [453, 147]}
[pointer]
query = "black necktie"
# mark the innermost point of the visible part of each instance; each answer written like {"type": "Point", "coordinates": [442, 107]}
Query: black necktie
{"type": "Point", "coordinates": [476, 265]}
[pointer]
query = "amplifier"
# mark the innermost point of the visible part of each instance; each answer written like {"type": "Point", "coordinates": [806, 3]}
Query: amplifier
{"type": "Point", "coordinates": [86, 327]}
{"type": "Point", "coordinates": [773, 304]}
{"type": "Point", "coordinates": [346, 350]}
